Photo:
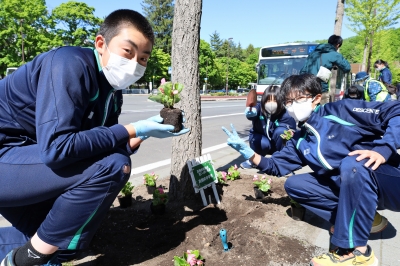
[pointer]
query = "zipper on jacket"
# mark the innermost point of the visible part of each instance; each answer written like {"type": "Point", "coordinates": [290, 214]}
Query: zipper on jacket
{"type": "Point", "coordinates": [321, 158]}
{"type": "Point", "coordinates": [267, 127]}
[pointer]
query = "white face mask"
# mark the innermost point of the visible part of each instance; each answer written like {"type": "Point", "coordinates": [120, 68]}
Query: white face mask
{"type": "Point", "coordinates": [121, 72]}
{"type": "Point", "coordinates": [300, 111]}
{"type": "Point", "coordinates": [271, 107]}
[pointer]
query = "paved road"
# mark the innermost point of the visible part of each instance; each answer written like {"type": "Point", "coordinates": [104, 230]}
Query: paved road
{"type": "Point", "coordinates": [155, 153]}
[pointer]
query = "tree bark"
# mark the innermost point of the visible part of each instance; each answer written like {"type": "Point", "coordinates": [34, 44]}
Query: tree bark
{"type": "Point", "coordinates": [371, 38]}
{"type": "Point", "coordinates": [339, 18]}
{"type": "Point", "coordinates": [364, 55]}
{"type": "Point", "coordinates": [337, 31]}
{"type": "Point", "coordinates": [185, 70]}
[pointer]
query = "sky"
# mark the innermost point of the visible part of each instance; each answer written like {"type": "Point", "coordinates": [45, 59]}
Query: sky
{"type": "Point", "coordinates": [256, 22]}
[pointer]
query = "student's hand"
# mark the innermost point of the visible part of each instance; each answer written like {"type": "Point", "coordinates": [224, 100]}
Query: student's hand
{"type": "Point", "coordinates": [250, 112]}
{"type": "Point", "coordinates": [374, 158]}
{"type": "Point", "coordinates": [156, 118]}
{"type": "Point", "coordinates": [235, 142]}
{"type": "Point", "coordinates": [152, 128]}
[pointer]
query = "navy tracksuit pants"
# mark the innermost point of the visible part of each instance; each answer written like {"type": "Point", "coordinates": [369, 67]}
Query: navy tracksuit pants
{"type": "Point", "coordinates": [348, 200]}
{"type": "Point", "coordinates": [64, 206]}
{"type": "Point", "coordinates": [262, 145]}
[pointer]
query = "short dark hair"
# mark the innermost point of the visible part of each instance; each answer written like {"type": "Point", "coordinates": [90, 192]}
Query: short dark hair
{"type": "Point", "coordinates": [301, 83]}
{"type": "Point", "coordinates": [354, 90]}
{"type": "Point", "coordinates": [270, 92]}
{"type": "Point", "coordinates": [123, 18]}
{"type": "Point", "coordinates": [380, 61]}
{"type": "Point", "coordinates": [335, 40]}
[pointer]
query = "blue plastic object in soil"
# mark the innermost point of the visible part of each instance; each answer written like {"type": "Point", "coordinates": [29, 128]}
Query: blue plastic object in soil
{"type": "Point", "coordinates": [224, 238]}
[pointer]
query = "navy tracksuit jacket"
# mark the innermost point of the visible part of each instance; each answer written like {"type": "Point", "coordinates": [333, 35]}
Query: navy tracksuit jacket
{"type": "Point", "coordinates": [265, 135]}
{"type": "Point", "coordinates": [340, 189]}
{"type": "Point", "coordinates": [62, 151]}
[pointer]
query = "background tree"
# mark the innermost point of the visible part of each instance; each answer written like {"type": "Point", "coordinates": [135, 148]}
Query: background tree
{"type": "Point", "coordinates": [216, 44]}
{"type": "Point", "coordinates": [23, 31]}
{"type": "Point", "coordinates": [157, 68]}
{"type": "Point", "coordinates": [352, 49]}
{"type": "Point", "coordinates": [160, 15]}
{"type": "Point", "coordinates": [368, 17]}
{"type": "Point", "coordinates": [78, 23]}
{"type": "Point", "coordinates": [207, 66]}
{"type": "Point", "coordinates": [185, 65]}
{"type": "Point", "coordinates": [240, 74]}
{"type": "Point", "coordinates": [238, 52]}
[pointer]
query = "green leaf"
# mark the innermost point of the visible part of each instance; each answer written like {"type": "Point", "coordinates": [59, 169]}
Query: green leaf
{"type": "Point", "coordinates": [178, 261]}
{"type": "Point", "coordinates": [156, 98]}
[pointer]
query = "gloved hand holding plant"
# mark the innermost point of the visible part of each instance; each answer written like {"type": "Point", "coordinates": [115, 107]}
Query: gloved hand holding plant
{"type": "Point", "coordinates": [168, 95]}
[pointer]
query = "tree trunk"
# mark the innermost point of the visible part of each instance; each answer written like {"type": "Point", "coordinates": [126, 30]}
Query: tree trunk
{"type": "Point", "coordinates": [364, 55]}
{"type": "Point", "coordinates": [185, 68]}
{"type": "Point", "coordinates": [337, 31]}
{"type": "Point", "coordinates": [339, 18]}
{"type": "Point", "coordinates": [371, 38]}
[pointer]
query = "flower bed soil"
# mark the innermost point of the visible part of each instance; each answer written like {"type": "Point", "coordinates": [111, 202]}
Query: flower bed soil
{"type": "Point", "coordinates": [134, 236]}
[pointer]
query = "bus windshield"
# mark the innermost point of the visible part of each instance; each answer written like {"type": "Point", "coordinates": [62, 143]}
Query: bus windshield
{"type": "Point", "coordinates": [274, 71]}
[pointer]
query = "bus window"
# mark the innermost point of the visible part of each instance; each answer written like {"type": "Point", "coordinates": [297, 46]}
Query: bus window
{"type": "Point", "coordinates": [277, 62]}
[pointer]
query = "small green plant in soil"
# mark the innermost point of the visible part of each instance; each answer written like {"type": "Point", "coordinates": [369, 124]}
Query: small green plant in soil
{"type": "Point", "coordinates": [295, 203]}
{"type": "Point", "coordinates": [262, 183]}
{"type": "Point", "coordinates": [221, 176]}
{"type": "Point", "coordinates": [189, 258]}
{"type": "Point", "coordinates": [169, 94]}
{"type": "Point", "coordinates": [126, 191]}
{"type": "Point", "coordinates": [150, 179]}
{"type": "Point", "coordinates": [233, 173]}
{"type": "Point", "coordinates": [159, 197]}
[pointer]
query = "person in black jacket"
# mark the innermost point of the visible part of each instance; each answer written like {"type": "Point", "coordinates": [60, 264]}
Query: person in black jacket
{"type": "Point", "coordinates": [64, 158]}
{"type": "Point", "coordinates": [355, 92]}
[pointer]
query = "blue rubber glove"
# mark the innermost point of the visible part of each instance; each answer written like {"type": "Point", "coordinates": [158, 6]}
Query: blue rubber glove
{"type": "Point", "coordinates": [235, 142]}
{"type": "Point", "coordinates": [152, 128]}
{"type": "Point", "coordinates": [250, 112]}
{"type": "Point", "coordinates": [156, 118]}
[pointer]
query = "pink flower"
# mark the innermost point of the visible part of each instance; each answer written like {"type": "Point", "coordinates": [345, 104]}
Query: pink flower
{"type": "Point", "coordinates": [199, 262]}
{"type": "Point", "coordinates": [223, 174]}
{"type": "Point", "coordinates": [269, 181]}
{"type": "Point", "coordinates": [263, 177]}
{"type": "Point", "coordinates": [162, 90]}
{"type": "Point", "coordinates": [175, 92]}
{"type": "Point", "coordinates": [236, 167]}
{"type": "Point", "coordinates": [191, 259]}
{"type": "Point", "coordinates": [255, 178]}
{"type": "Point", "coordinates": [160, 190]}
{"type": "Point", "coordinates": [163, 81]}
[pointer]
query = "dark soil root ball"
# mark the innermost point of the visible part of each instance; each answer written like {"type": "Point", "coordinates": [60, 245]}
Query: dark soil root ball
{"type": "Point", "coordinates": [172, 116]}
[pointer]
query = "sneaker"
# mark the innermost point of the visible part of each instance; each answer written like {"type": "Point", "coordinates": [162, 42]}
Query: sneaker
{"type": "Point", "coordinates": [247, 165]}
{"type": "Point", "coordinates": [379, 224]}
{"type": "Point", "coordinates": [9, 260]}
{"type": "Point", "coordinates": [346, 257]}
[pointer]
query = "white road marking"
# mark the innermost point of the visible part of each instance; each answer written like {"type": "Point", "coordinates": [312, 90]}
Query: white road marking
{"type": "Point", "coordinates": [151, 166]}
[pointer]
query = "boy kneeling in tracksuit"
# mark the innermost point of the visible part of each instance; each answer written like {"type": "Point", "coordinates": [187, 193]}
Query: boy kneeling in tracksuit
{"type": "Point", "coordinates": [351, 146]}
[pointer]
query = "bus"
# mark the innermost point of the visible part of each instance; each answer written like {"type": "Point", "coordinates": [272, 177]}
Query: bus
{"type": "Point", "coordinates": [277, 62]}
